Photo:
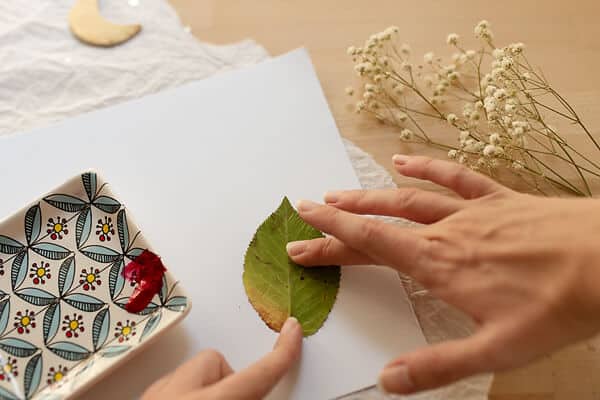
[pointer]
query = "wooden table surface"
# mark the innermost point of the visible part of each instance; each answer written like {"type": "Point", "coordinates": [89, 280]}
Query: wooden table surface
{"type": "Point", "coordinates": [561, 36]}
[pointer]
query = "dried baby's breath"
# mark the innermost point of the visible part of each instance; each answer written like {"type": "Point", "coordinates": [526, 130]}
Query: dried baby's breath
{"type": "Point", "coordinates": [498, 105]}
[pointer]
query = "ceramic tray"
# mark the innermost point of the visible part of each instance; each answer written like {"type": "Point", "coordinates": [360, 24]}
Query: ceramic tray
{"type": "Point", "coordinates": [62, 293]}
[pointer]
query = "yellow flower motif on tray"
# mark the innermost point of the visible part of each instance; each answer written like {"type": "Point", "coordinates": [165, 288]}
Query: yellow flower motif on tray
{"type": "Point", "coordinates": [124, 331]}
{"type": "Point", "coordinates": [104, 229]}
{"type": "Point", "coordinates": [57, 228]}
{"type": "Point", "coordinates": [9, 369]}
{"type": "Point", "coordinates": [55, 375]}
{"type": "Point", "coordinates": [40, 272]}
{"type": "Point", "coordinates": [24, 321]}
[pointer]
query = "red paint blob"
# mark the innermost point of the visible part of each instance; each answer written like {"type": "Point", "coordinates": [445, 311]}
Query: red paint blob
{"type": "Point", "coordinates": [147, 271]}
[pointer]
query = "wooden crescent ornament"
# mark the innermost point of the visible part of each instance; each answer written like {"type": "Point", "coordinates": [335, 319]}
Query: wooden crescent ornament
{"type": "Point", "coordinates": [90, 27]}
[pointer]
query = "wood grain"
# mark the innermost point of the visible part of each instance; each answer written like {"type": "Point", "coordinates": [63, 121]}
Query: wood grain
{"type": "Point", "coordinates": [560, 36]}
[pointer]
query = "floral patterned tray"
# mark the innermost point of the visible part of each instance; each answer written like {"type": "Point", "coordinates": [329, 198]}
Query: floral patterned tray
{"type": "Point", "coordinates": [62, 293]}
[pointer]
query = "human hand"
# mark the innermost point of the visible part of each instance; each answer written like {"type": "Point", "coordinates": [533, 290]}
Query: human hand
{"type": "Point", "coordinates": [525, 268]}
{"type": "Point", "coordinates": [209, 376]}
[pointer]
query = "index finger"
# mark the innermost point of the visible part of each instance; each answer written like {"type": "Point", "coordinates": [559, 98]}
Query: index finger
{"type": "Point", "coordinates": [256, 381]}
{"type": "Point", "coordinates": [462, 180]}
{"type": "Point", "coordinates": [384, 243]}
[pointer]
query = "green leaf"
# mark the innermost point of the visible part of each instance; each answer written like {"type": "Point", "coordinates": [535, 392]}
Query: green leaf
{"type": "Point", "coordinates": [51, 250]}
{"type": "Point", "coordinates": [279, 288]}
{"type": "Point", "coordinates": [69, 351]}
{"type": "Point", "coordinates": [65, 202]}
{"type": "Point", "coordinates": [9, 245]}
{"type": "Point", "coordinates": [33, 375]}
{"type": "Point", "coordinates": [17, 347]}
{"type": "Point", "coordinates": [33, 223]}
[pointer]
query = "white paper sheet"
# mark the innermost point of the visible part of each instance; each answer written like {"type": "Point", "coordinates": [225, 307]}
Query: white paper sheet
{"type": "Point", "coordinates": [268, 132]}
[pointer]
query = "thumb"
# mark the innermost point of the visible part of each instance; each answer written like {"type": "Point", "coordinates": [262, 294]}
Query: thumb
{"type": "Point", "coordinates": [438, 365]}
{"type": "Point", "coordinates": [257, 380]}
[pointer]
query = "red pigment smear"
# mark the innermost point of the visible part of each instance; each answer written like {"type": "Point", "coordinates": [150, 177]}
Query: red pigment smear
{"type": "Point", "coordinates": [147, 271]}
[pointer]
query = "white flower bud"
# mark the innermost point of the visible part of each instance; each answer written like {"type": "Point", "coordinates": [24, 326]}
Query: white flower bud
{"type": "Point", "coordinates": [494, 138]}
{"type": "Point", "coordinates": [360, 106]}
{"type": "Point", "coordinates": [489, 150]}
{"type": "Point", "coordinates": [483, 24]}
{"type": "Point", "coordinates": [498, 53]}
{"type": "Point", "coordinates": [349, 91]}
{"type": "Point", "coordinates": [452, 154]}
{"type": "Point", "coordinates": [517, 48]}
{"type": "Point", "coordinates": [452, 39]}
{"type": "Point", "coordinates": [428, 57]}
{"type": "Point", "coordinates": [500, 94]}
{"type": "Point", "coordinates": [497, 73]}
{"type": "Point", "coordinates": [489, 91]}
{"type": "Point", "coordinates": [406, 134]}
{"type": "Point", "coordinates": [507, 63]}
{"type": "Point", "coordinates": [451, 118]}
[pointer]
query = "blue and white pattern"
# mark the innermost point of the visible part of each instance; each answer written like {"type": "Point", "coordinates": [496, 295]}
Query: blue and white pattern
{"type": "Point", "coordinates": [62, 291]}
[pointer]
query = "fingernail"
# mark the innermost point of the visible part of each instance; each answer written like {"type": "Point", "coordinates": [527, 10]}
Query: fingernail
{"type": "Point", "coordinates": [290, 324]}
{"type": "Point", "coordinates": [400, 159]}
{"type": "Point", "coordinates": [331, 197]}
{"type": "Point", "coordinates": [396, 379]}
{"type": "Point", "coordinates": [306, 205]}
{"type": "Point", "coordinates": [295, 248]}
